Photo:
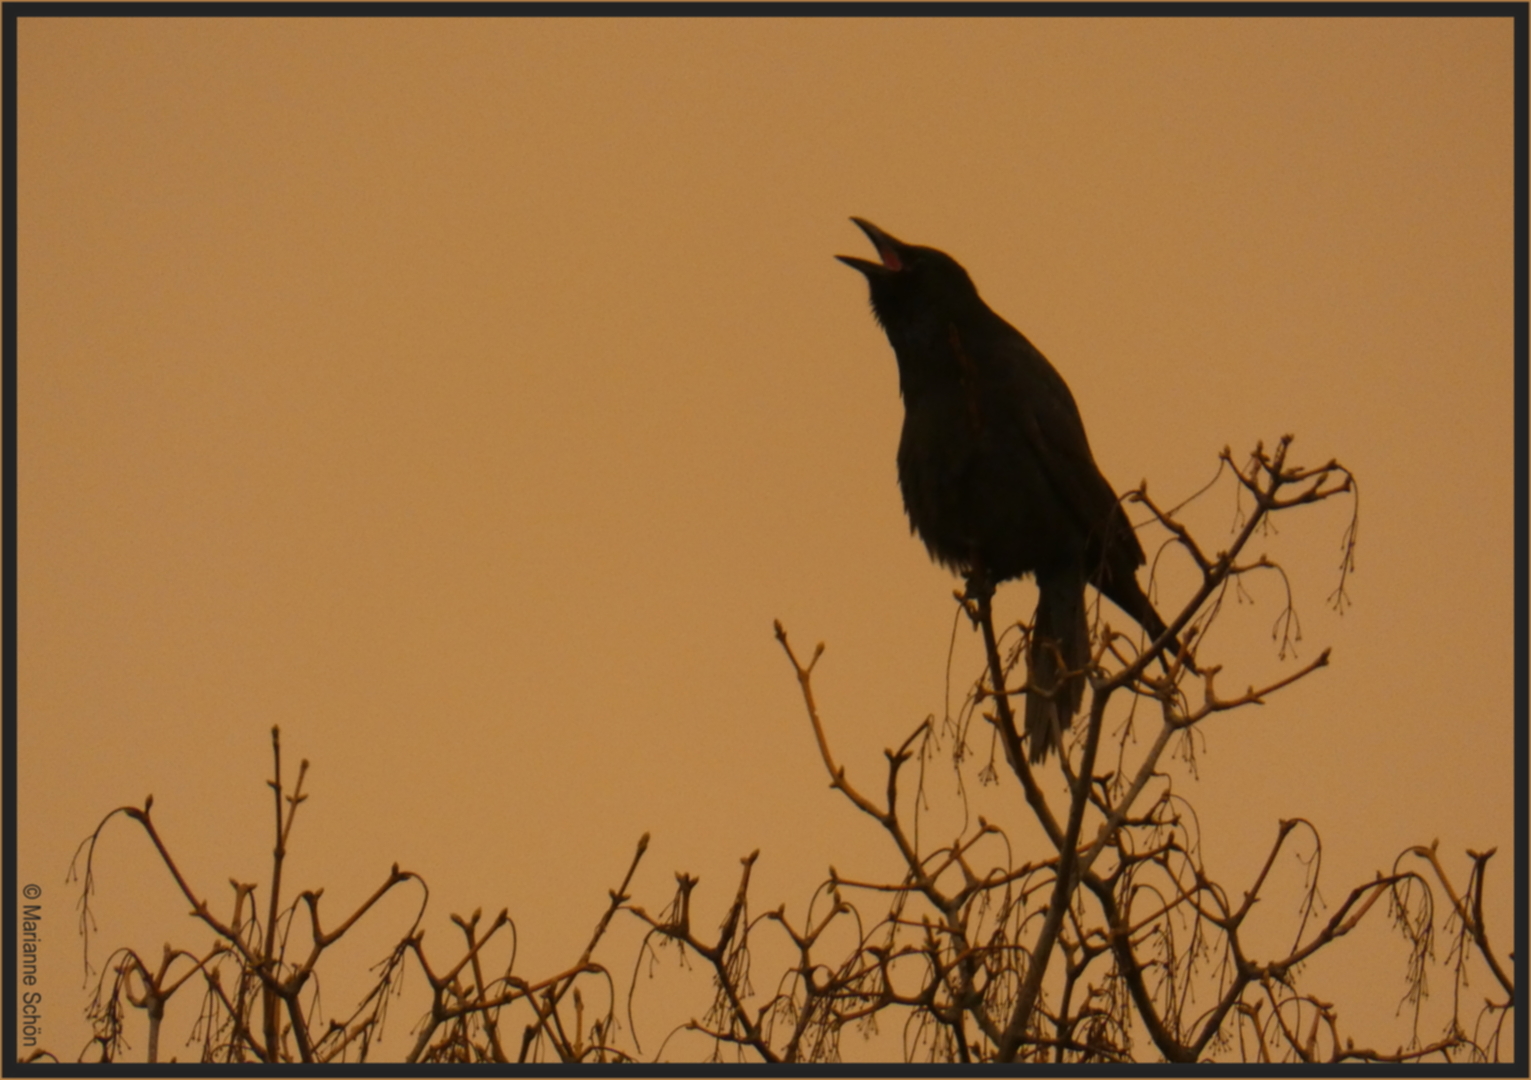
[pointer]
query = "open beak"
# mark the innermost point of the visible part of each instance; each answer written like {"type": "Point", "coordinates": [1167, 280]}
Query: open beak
{"type": "Point", "coordinates": [888, 249]}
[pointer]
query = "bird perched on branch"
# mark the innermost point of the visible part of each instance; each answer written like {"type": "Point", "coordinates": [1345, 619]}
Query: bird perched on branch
{"type": "Point", "coordinates": [996, 471]}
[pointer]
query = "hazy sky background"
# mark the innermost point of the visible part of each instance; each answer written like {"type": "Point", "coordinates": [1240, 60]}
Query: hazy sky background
{"type": "Point", "coordinates": [468, 396]}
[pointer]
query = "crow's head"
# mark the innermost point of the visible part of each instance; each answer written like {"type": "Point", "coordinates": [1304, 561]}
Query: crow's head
{"type": "Point", "coordinates": [915, 290]}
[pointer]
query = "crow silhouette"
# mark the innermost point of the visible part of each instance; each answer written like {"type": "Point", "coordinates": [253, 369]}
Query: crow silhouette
{"type": "Point", "coordinates": [996, 471]}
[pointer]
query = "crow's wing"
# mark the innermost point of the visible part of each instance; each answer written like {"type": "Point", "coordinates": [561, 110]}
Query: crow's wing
{"type": "Point", "coordinates": [1050, 430]}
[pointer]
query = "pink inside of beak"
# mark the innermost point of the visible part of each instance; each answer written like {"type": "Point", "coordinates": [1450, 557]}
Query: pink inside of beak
{"type": "Point", "coordinates": [889, 257]}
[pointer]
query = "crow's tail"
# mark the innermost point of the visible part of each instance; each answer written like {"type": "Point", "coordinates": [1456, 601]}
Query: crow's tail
{"type": "Point", "coordinates": [1059, 654]}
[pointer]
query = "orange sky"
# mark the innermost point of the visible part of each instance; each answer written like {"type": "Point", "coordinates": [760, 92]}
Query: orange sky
{"type": "Point", "coordinates": [468, 397]}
